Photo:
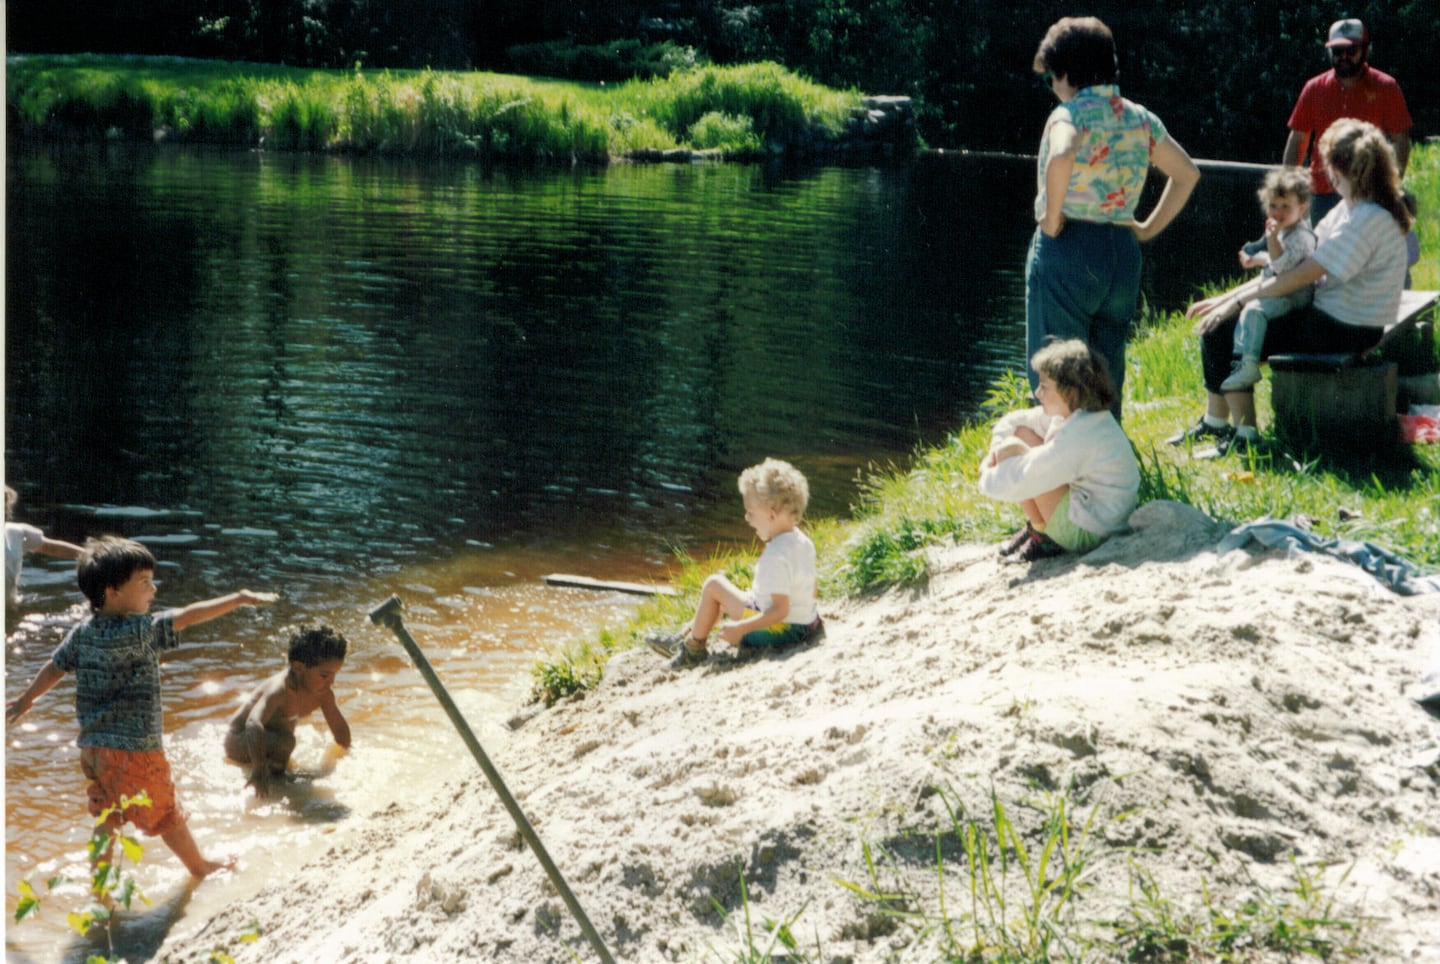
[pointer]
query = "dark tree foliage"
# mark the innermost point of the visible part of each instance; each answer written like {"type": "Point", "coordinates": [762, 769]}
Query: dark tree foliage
{"type": "Point", "coordinates": [1223, 74]}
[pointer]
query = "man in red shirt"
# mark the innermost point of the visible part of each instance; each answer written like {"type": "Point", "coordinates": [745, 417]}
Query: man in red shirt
{"type": "Point", "coordinates": [1352, 88]}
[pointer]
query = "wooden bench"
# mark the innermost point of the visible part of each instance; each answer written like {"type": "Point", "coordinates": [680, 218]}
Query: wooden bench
{"type": "Point", "coordinates": [1349, 400]}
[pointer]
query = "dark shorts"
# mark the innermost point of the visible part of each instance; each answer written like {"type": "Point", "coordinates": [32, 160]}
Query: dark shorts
{"type": "Point", "coordinates": [783, 634]}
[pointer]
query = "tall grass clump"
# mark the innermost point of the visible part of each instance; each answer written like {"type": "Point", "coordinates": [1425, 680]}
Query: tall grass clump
{"type": "Point", "coordinates": [738, 111]}
{"type": "Point", "coordinates": [1422, 179]}
{"type": "Point", "coordinates": [291, 120]}
{"type": "Point", "coordinates": [228, 113]}
{"type": "Point", "coordinates": [783, 107]}
{"type": "Point", "coordinates": [733, 136]}
{"type": "Point", "coordinates": [88, 103]}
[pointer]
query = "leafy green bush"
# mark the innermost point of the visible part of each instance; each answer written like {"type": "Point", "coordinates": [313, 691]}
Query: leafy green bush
{"type": "Point", "coordinates": [735, 136]}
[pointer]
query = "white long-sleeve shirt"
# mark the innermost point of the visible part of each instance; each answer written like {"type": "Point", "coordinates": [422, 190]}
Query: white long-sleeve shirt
{"type": "Point", "coordinates": [1087, 451]}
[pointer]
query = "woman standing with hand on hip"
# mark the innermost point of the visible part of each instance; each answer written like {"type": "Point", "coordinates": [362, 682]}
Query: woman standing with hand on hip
{"type": "Point", "coordinates": [1082, 274]}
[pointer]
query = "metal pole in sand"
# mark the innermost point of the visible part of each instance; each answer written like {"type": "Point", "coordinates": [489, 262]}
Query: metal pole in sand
{"type": "Point", "coordinates": [388, 614]}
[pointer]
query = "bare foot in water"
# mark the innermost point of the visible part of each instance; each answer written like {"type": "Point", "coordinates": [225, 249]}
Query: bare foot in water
{"type": "Point", "coordinates": [224, 863]}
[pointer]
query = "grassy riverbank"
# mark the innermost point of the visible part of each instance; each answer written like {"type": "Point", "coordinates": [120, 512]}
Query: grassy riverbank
{"type": "Point", "coordinates": [1392, 499]}
{"type": "Point", "coordinates": [907, 519]}
{"type": "Point", "coordinates": [732, 111]}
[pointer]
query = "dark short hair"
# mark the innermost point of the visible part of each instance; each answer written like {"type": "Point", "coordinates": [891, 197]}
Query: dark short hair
{"type": "Point", "coordinates": [1287, 180]}
{"type": "Point", "coordinates": [313, 645]}
{"type": "Point", "coordinates": [1080, 372]}
{"type": "Point", "coordinates": [1080, 49]}
{"type": "Point", "coordinates": [108, 562]}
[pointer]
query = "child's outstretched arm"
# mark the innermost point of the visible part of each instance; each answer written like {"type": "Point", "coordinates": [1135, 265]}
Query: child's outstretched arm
{"type": "Point", "coordinates": [338, 727]}
{"type": "Point", "coordinates": [207, 609]}
{"type": "Point", "coordinates": [49, 675]}
{"type": "Point", "coordinates": [58, 548]}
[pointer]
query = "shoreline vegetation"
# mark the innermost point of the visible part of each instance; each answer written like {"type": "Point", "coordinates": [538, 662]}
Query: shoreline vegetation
{"type": "Point", "coordinates": [741, 112]}
{"type": "Point", "coordinates": [1390, 498]}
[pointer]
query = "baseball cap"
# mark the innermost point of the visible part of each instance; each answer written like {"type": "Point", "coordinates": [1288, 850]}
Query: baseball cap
{"type": "Point", "coordinates": [1347, 33]}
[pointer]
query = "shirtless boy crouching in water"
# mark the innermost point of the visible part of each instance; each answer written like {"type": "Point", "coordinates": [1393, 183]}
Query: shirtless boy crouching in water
{"type": "Point", "coordinates": [262, 733]}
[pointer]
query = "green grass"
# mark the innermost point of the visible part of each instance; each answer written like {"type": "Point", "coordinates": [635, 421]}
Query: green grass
{"type": "Point", "coordinates": [1422, 178]}
{"type": "Point", "coordinates": [733, 111]}
{"type": "Point", "coordinates": [1018, 882]}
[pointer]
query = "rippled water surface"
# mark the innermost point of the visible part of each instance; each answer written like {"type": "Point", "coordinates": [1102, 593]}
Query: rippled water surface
{"type": "Point", "coordinates": [342, 379]}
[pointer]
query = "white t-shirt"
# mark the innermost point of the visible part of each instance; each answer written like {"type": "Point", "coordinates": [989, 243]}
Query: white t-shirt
{"type": "Point", "coordinates": [1362, 251]}
{"type": "Point", "coordinates": [19, 539]}
{"type": "Point", "coordinates": [787, 568]}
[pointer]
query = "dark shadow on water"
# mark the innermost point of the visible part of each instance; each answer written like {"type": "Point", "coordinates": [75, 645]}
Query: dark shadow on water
{"type": "Point", "coordinates": [300, 794]}
{"type": "Point", "coordinates": [312, 803]}
{"type": "Point", "coordinates": [136, 933]}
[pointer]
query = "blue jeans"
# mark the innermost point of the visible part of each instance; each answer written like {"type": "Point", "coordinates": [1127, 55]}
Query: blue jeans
{"type": "Point", "coordinates": [1083, 284]}
{"type": "Point", "coordinates": [1255, 320]}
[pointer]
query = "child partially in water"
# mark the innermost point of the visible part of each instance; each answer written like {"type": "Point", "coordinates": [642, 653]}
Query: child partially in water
{"type": "Point", "coordinates": [115, 656]}
{"type": "Point", "coordinates": [262, 732]}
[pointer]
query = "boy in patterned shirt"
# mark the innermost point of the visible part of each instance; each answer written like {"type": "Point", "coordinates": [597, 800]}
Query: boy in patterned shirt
{"type": "Point", "coordinates": [115, 656]}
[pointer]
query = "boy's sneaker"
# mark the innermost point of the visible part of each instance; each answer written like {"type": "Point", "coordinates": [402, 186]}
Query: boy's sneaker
{"type": "Point", "coordinates": [1245, 374]}
{"type": "Point", "coordinates": [690, 656]}
{"type": "Point", "coordinates": [1199, 431]}
{"type": "Point", "coordinates": [667, 644]}
{"type": "Point", "coordinates": [1014, 543]}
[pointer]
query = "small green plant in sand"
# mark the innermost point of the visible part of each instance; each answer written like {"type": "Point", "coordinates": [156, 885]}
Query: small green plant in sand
{"type": "Point", "coordinates": [1298, 922]}
{"type": "Point", "coordinates": [249, 934]}
{"type": "Point", "coordinates": [777, 940]}
{"type": "Point", "coordinates": [572, 670]}
{"type": "Point", "coordinates": [111, 888]}
{"type": "Point", "coordinates": [1003, 895]}
{"type": "Point", "coordinates": [1007, 893]}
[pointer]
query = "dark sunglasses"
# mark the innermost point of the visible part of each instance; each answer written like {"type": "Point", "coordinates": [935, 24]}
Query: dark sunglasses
{"type": "Point", "coordinates": [1046, 78]}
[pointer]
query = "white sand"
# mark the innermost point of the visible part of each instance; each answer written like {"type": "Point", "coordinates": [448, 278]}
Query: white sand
{"type": "Point", "coordinates": [1248, 708]}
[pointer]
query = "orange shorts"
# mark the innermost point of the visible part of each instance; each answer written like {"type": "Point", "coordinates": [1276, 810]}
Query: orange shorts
{"type": "Point", "coordinates": [124, 773]}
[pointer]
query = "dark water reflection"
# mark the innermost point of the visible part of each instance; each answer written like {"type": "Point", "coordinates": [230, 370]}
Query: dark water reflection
{"type": "Point", "coordinates": [368, 357]}
{"type": "Point", "coordinates": [345, 378]}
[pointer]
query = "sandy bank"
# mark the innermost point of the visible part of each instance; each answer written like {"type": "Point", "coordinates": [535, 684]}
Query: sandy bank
{"type": "Point", "coordinates": [1246, 708]}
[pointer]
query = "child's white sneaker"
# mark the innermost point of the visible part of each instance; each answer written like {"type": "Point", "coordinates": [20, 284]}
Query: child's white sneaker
{"type": "Point", "coordinates": [1245, 374]}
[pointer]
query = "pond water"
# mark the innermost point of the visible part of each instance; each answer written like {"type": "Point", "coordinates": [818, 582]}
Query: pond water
{"type": "Point", "coordinates": [339, 379]}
